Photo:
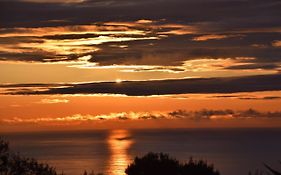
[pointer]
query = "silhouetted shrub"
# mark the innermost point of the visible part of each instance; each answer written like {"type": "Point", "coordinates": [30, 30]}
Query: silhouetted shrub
{"type": "Point", "coordinates": [14, 164]}
{"type": "Point", "coordinates": [257, 172]}
{"type": "Point", "coordinates": [91, 173]}
{"type": "Point", "coordinates": [162, 164]}
{"type": "Point", "coordinates": [273, 171]}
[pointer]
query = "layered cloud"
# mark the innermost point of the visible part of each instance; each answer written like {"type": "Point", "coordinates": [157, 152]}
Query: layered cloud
{"type": "Point", "coordinates": [141, 42]}
{"type": "Point", "coordinates": [157, 87]}
{"type": "Point", "coordinates": [168, 40]}
{"type": "Point", "coordinates": [54, 1]}
{"type": "Point", "coordinates": [167, 32]}
{"type": "Point", "coordinates": [201, 115]}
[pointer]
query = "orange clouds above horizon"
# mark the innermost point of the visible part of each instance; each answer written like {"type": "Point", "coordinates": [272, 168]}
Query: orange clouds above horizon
{"type": "Point", "coordinates": [101, 112]}
{"type": "Point", "coordinates": [82, 62]}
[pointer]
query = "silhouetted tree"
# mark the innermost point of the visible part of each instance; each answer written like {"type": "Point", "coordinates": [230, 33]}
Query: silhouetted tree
{"type": "Point", "coordinates": [162, 164]}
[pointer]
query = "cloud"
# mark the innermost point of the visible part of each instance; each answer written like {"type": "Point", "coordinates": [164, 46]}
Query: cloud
{"type": "Point", "coordinates": [223, 114]}
{"type": "Point", "coordinates": [53, 101]}
{"type": "Point", "coordinates": [276, 43]}
{"type": "Point", "coordinates": [167, 33]}
{"type": "Point", "coordinates": [198, 65]}
{"type": "Point", "coordinates": [141, 42]}
{"type": "Point", "coordinates": [264, 98]}
{"type": "Point", "coordinates": [212, 37]}
{"type": "Point", "coordinates": [166, 87]}
{"type": "Point", "coordinates": [54, 1]}
{"type": "Point", "coordinates": [248, 97]}
{"type": "Point", "coordinates": [201, 115]}
{"type": "Point", "coordinates": [12, 88]}
{"type": "Point", "coordinates": [89, 118]}
{"type": "Point", "coordinates": [70, 42]}
{"type": "Point", "coordinates": [174, 50]}
{"type": "Point", "coordinates": [249, 66]}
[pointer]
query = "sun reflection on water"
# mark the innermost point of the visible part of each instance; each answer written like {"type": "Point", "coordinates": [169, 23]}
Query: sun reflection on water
{"type": "Point", "coordinates": [119, 142]}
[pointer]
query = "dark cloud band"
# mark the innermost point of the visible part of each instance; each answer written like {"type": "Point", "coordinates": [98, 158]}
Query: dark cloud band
{"type": "Point", "coordinates": [165, 87]}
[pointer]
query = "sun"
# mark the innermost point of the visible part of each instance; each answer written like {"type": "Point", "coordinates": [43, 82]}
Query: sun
{"type": "Point", "coordinates": [118, 80]}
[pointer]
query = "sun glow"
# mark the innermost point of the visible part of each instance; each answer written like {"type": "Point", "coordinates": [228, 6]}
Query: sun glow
{"type": "Point", "coordinates": [118, 80]}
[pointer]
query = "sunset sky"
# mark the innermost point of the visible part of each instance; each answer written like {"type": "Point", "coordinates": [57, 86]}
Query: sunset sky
{"type": "Point", "coordinates": [103, 64]}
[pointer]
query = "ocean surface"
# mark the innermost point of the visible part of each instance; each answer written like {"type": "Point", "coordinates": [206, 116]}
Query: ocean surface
{"type": "Point", "coordinates": [232, 151]}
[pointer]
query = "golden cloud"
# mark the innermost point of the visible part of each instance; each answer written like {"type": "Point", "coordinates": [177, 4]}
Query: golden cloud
{"type": "Point", "coordinates": [276, 43]}
{"type": "Point", "coordinates": [53, 101]}
{"type": "Point", "coordinates": [210, 37]}
{"type": "Point", "coordinates": [211, 115]}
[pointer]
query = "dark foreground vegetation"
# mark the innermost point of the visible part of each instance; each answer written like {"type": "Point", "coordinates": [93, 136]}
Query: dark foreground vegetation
{"type": "Point", "coordinates": [14, 164]}
{"type": "Point", "coordinates": [154, 163]}
{"type": "Point", "coordinates": [150, 164]}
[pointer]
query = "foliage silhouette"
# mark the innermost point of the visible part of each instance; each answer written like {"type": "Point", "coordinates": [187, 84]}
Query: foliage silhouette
{"type": "Point", "coordinates": [274, 172]}
{"type": "Point", "coordinates": [271, 170]}
{"type": "Point", "coordinates": [159, 163]}
{"type": "Point", "coordinates": [256, 172]}
{"type": "Point", "coordinates": [14, 164]}
{"type": "Point", "coordinates": [91, 173]}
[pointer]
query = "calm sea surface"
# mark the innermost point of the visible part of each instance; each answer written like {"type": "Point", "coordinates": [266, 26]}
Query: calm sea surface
{"type": "Point", "coordinates": [232, 151]}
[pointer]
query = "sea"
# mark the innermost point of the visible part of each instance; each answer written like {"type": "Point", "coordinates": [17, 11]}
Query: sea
{"type": "Point", "coordinates": [231, 151]}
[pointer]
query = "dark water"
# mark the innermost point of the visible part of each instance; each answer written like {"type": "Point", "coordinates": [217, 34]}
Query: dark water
{"type": "Point", "coordinates": [232, 151]}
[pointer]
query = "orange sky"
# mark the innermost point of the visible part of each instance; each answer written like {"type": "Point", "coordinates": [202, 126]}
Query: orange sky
{"type": "Point", "coordinates": [20, 112]}
{"type": "Point", "coordinates": [91, 47]}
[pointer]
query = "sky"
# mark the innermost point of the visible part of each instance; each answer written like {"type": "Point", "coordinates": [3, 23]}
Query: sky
{"type": "Point", "coordinates": [103, 64]}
